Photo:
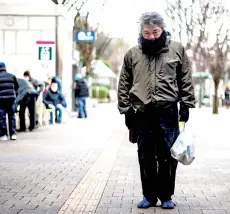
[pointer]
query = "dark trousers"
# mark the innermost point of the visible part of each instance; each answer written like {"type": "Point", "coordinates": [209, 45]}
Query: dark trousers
{"type": "Point", "coordinates": [157, 131]}
{"type": "Point", "coordinates": [29, 101]}
{"type": "Point", "coordinates": [7, 107]}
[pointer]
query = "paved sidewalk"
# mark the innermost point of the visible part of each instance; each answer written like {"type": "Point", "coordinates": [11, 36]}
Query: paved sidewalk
{"type": "Point", "coordinates": [68, 170]}
{"type": "Point", "coordinates": [203, 187]}
{"type": "Point", "coordinates": [41, 169]}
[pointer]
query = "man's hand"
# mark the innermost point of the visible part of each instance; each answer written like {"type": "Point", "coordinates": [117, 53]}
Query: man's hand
{"type": "Point", "coordinates": [60, 106]}
{"type": "Point", "coordinates": [130, 118]}
{"type": "Point", "coordinates": [18, 108]}
{"type": "Point", "coordinates": [50, 106]}
{"type": "Point", "coordinates": [184, 113]}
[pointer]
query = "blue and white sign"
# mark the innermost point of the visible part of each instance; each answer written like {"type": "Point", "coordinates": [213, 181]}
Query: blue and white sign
{"type": "Point", "coordinates": [85, 36]}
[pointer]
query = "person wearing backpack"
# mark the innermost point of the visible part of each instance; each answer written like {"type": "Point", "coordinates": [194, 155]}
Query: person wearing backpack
{"type": "Point", "coordinates": [81, 93]}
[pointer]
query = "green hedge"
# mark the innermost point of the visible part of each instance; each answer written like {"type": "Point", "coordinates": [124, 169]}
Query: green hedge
{"type": "Point", "coordinates": [101, 85]}
{"type": "Point", "coordinates": [100, 92]}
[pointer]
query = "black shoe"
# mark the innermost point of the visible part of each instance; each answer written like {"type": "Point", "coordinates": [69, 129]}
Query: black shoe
{"type": "Point", "coordinates": [32, 128]}
{"type": "Point", "coordinates": [21, 130]}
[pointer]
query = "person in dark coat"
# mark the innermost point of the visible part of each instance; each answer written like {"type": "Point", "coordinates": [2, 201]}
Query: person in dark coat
{"type": "Point", "coordinates": [155, 80]}
{"type": "Point", "coordinates": [8, 93]}
{"type": "Point", "coordinates": [38, 86]}
{"type": "Point", "coordinates": [55, 100]}
{"type": "Point", "coordinates": [26, 98]}
{"type": "Point", "coordinates": [81, 94]}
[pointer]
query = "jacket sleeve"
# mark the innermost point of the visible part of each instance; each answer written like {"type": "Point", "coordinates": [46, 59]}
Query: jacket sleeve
{"type": "Point", "coordinates": [41, 86]}
{"type": "Point", "coordinates": [16, 85]}
{"type": "Point", "coordinates": [185, 82]}
{"type": "Point", "coordinates": [62, 98]}
{"type": "Point", "coordinates": [46, 99]}
{"type": "Point", "coordinates": [125, 84]}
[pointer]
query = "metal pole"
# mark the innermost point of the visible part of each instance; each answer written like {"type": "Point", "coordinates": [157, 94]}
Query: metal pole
{"type": "Point", "coordinates": [57, 71]}
{"type": "Point", "coordinates": [56, 46]}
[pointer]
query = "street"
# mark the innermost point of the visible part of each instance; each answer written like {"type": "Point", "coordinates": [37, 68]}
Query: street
{"type": "Point", "coordinates": [88, 166]}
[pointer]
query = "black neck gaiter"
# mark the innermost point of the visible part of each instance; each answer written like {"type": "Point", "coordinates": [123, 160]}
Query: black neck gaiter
{"type": "Point", "coordinates": [151, 47]}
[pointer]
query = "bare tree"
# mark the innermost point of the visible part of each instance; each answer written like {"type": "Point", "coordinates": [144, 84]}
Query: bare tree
{"type": "Point", "coordinates": [204, 28]}
{"type": "Point", "coordinates": [81, 22]}
{"type": "Point", "coordinates": [119, 48]}
{"type": "Point", "coordinates": [85, 48]}
{"type": "Point", "coordinates": [103, 45]}
{"type": "Point", "coordinates": [218, 65]}
{"type": "Point", "coordinates": [68, 5]}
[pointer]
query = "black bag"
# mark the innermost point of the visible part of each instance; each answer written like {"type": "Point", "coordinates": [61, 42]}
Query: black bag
{"type": "Point", "coordinates": [133, 135]}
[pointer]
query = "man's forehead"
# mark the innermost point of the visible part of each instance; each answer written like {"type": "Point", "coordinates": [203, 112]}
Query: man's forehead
{"type": "Point", "coordinates": [150, 27]}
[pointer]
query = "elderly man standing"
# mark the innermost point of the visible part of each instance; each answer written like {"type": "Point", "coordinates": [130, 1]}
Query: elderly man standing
{"type": "Point", "coordinates": [8, 92]}
{"type": "Point", "coordinates": [155, 77]}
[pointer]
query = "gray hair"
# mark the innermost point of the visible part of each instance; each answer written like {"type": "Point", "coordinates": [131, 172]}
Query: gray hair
{"type": "Point", "coordinates": [152, 18]}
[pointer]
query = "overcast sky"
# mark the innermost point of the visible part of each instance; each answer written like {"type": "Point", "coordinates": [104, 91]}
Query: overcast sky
{"type": "Point", "coordinates": [120, 17]}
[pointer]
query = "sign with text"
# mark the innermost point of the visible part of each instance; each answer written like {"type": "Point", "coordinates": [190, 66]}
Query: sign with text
{"type": "Point", "coordinates": [45, 50]}
{"type": "Point", "coordinates": [85, 36]}
{"type": "Point", "coordinates": [46, 56]}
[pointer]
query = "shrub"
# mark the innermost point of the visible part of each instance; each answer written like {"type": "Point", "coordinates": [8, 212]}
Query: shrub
{"type": "Point", "coordinates": [100, 92]}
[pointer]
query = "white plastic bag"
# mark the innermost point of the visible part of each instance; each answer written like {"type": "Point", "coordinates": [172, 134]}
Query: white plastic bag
{"type": "Point", "coordinates": [183, 149]}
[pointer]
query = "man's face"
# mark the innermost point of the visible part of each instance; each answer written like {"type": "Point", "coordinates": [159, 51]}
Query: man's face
{"type": "Point", "coordinates": [54, 87]}
{"type": "Point", "coordinates": [151, 32]}
{"type": "Point", "coordinates": [26, 77]}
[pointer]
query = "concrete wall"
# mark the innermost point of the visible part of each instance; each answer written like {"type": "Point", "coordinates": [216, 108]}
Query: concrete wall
{"type": "Point", "coordinates": [22, 23]}
{"type": "Point", "coordinates": [18, 36]}
{"type": "Point", "coordinates": [29, 7]}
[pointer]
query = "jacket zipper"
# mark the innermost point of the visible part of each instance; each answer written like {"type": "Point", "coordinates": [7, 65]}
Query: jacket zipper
{"type": "Point", "coordinates": [152, 87]}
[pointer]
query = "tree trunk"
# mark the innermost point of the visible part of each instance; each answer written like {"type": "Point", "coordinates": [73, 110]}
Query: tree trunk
{"type": "Point", "coordinates": [88, 57]}
{"type": "Point", "coordinates": [215, 106]}
{"type": "Point", "coordinates": [88, 66]}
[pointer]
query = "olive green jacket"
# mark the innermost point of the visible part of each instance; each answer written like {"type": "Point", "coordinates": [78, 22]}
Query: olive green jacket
{"type": "Point", "coordinates": [162, 79]}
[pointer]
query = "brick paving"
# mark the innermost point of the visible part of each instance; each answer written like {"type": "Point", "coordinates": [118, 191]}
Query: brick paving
{"type": "Point", "coordinates": [41, 169]}
{"type": "Point", "coordinates": [202, 188]}
{"type": "Point", "coordinates": [65, 169]}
